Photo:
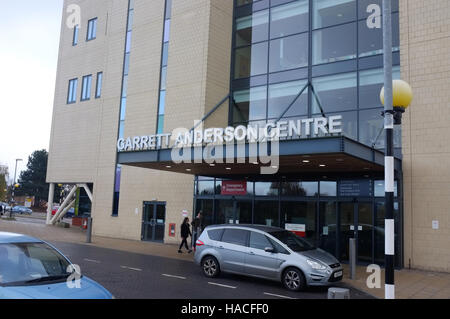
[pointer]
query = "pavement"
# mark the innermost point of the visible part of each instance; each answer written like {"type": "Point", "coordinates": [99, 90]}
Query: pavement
{"type": "Point", "coordinates": [409, 284]}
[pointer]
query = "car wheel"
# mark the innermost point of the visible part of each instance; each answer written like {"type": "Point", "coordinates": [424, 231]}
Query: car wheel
{"type": "Point", "coordinates": [210, 267]}
{"type": "Point", "coordinates": [294, 280]}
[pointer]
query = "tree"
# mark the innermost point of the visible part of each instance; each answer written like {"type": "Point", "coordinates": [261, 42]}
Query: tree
{"type": "Point", "coordinates": [32, 181]}
{"type": "Point", "coordinates": [3, 185]}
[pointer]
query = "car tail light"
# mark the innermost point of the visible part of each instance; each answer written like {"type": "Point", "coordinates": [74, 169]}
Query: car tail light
{"type": "Point", "coordinates": [199, 243]}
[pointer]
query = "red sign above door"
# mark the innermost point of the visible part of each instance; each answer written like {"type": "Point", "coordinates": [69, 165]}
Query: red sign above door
{"type": "Point", "coordinates": [238, 188]}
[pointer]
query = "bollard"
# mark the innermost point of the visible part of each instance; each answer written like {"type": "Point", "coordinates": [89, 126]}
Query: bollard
{"type": "Point", "coordinates": [338, 293]}
{"type": "Point", "coordinates": [352, 258]}
{"type": "Point", "coordinates": [89, 230]}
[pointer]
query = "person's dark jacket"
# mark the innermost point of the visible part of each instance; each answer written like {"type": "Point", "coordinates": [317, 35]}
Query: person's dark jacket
{"type": "Point", "coordinates": [185, 230]}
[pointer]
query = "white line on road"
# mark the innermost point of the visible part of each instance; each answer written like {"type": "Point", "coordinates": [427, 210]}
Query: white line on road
{"type": "Point", "coordinates": [92, 261]}
{"type": "Point", "coordinates": [130, 268]}
{"type": "Point", "coordinates": [172, 276]}
{"type": "Point", "coordinates": [220, 285]}
{"type": "Point", "coordinates": [279, 296]}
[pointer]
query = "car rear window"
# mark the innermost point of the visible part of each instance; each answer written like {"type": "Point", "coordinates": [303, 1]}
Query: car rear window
{"type": "Point", "coordinates": [235, 236]}
{"type": "Point", "coordinates": [215, 234]}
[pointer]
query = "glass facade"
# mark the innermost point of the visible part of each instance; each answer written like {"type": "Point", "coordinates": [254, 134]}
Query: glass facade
{"type": "Point", "coordinates": [281, 45]}
{"type": "Point", "coordinates": [123, 103]}
{"type": "Point", "coordinates": [329, 211]}
{"type": "Point", "coordinates": [163, 78]}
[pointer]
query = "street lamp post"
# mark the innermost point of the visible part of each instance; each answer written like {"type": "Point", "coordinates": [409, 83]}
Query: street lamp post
{"type": "Point", "coordinates": [14, 183]}
{"type": "Point", "coordinates": [396, 97]}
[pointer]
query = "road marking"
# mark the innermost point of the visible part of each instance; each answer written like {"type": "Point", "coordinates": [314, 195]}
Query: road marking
{"type": "Point", "coordinates": [279, 296]}
{"type": "Point", "coordinates": [92, 261]}
{"type": "Point", "coordinates": [130, 268]}
{"type": "Point", "coordinates": [172, 276]}
{"type": "Point", "coordinates": [220, 285]}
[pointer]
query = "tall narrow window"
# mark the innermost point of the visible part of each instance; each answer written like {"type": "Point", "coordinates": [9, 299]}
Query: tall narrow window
{"type": "Point", "coordinates": [98, 88]}
{"type": "Point", "coordinates": [72, 93]}
{"type": "Point", "coordinates": [86, 88]}
{"type": "Point", "coordinates": [92, 29]}
{"type": "Point", "coordinates": [163, 77]}
{"type": "Point", "coordinates": [76, 31]}
{"type": "Point", "coordinates": [123, 103]}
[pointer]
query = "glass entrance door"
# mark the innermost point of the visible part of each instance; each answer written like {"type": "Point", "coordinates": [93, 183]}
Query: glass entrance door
{"type": "Point", "coordinates": [356, 221]}
{"type": "Point", "coordinates": [153, 222]}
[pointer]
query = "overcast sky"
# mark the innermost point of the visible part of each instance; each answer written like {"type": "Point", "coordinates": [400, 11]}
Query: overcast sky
{"type": "Point", "coordinates": [29, 42]}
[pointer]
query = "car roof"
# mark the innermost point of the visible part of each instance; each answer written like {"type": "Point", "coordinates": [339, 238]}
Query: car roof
{"type": "Point", "coordinates": [12, 238]}
{"type": "Point", "coordinates": [264, 228]}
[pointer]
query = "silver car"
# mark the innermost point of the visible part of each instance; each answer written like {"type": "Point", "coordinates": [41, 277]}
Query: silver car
{"type": "Point", "coordinates": [265, 252]}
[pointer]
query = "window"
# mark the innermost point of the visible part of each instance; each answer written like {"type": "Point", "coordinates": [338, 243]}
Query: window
{"type": "Point", "coordinates": [253, 28]}
{"type": "Point", "coordinates": [336, 93]}
{"type": "Point", "coordinates": [283, 94]}
{"type": "Point", "coordinates": [98, 89]}
{"type": "Point", "coordinates": [370, 41]}
{"type": "Point", "coordinates": [370, 84]}
{"type": "Point", "coordinates": [289, 19]}
{"type": "Point", "coordinates": [76, 31]}
{"type": "Point", "coordinates": [327, 13]}
{"type": "Point", "coordinates": [328, 188]}
{"type": "Point", "coordinates": [259, 241]}
{"type": "Point", "coordinates": [250, 104]}
{"type": "Point", "coordinates": [86, 88]}
{"type": "Point", "coordinates": [235, 236]}
{"type": "Point", "coordinates": [72, 94]}
{"type": "Point", "coordinates": [289, 53]}
{"type": "Point", "coordinates": [251, 60]}
{"type": "Point", "coordinates": [92, 29]}
{"type": "Point", "coordinates": [215, 234]}
{"type": "Point", "coordinates": [301, 189]}
{"type": "Point", "coordinates": [334, 44]}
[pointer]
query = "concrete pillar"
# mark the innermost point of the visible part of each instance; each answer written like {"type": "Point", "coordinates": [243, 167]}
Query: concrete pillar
{"type": "Point", "coordinates": [51, 194]}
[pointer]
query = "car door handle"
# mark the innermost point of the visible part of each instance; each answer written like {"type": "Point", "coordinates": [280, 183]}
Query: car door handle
{"type": "Point", "coordinates": [251, 253]}
{"type": "Point", "coordinates": [221, 247]}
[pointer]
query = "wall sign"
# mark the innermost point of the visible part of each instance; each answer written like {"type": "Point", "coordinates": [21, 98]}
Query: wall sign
{"type": "Point", "coordinates": [355, 188]}
{"type": "Point", "coordinates": [237, 188]}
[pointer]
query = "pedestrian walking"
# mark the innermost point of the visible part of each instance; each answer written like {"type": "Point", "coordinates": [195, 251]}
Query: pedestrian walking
{"type": "Point", "coordinates": [185, 233]}
{"type": "Point", "coordinates": [197, 227]}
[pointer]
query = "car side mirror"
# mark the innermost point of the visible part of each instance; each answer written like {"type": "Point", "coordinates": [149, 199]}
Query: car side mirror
{"type": "Point", "coordinates": [269, 250]}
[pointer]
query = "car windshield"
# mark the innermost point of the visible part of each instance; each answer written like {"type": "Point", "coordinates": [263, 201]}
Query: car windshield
{"type": "Point", "coordinates": [25, 264]}
{"type": "Point", "coordinates": [292, 241]}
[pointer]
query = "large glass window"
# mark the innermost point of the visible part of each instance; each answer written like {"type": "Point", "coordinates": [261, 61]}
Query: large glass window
{"type": "Point", "coordinates": [289, 19]}
{"type": "Point", "coordinates": [300, 189]}
{"type": "Point", "coordinates": [283, 94]}
{"type": "Point", "coordinates": [370, 41]}
{"type": "Point", "coordinates": [336, 93]}
{"type": "Point", "coordinates": [328, 227]}
{"type": "Point", "coordinates": [289, 53]}
{"type": "Point", "coordinates": [253, 28]}
{"type": "Point", "coordinates": [333, 12]}
{"type": "Point", "coordinates": [370, 85]}
{"type": "Point", "coordinates": [251, 60]}
{"type": "Point", "coordinates": [266, 213]}
{"type": "Point", "coordinates": [266, 188]}
{"type": "Point", "coordinates": [250, 104]}
{"type": "Point", "coordinates": [302, 214]}
{"type": "Point", "coordinates": [334, 44]}
{"type": "Point", "coordinates": [349, 124]}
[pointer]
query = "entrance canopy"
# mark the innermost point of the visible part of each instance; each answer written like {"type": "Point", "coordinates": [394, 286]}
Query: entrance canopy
{"type": "Point", "coordinates": [318, 155]}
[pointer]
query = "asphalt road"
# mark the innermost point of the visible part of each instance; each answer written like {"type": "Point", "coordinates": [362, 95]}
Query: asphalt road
{"type": "Point", "coordinates": [136, 276]}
